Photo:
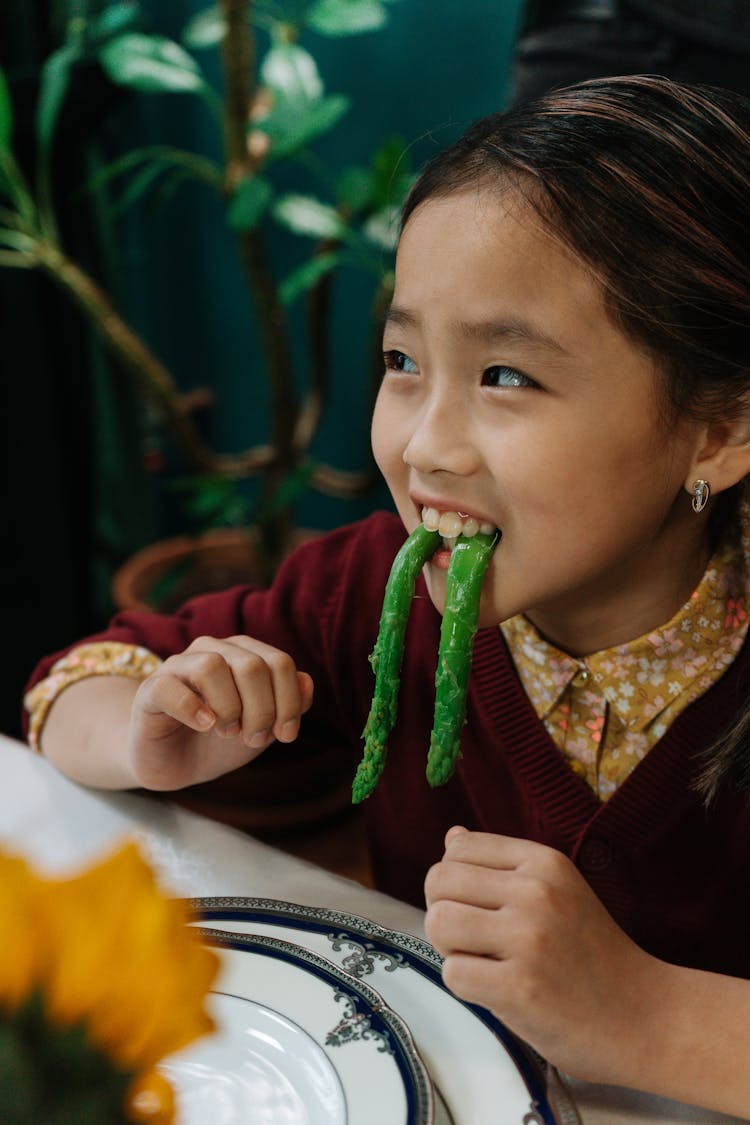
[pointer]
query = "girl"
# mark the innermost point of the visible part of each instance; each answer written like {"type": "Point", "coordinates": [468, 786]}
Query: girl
{"type": "Point", "coordinates": [565, 359]}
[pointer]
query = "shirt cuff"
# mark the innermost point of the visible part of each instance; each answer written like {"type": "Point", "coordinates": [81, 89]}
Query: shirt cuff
{"type": "Point", "coordinates": [101, 658]}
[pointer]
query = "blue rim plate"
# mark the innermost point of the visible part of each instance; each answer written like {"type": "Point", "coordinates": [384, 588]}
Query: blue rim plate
{"type": "Point", "coordinates": [367, 1062]}
{"type": "Point", "coordinates": [482, 1074]}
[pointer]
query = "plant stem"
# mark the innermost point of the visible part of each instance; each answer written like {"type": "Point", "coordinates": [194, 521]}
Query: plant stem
{"type": "Point", "coordinates": [152, 375]}
{"type": "Point", "coordinates": [318, 313]}
{"type": "Point", "coordinates": [159, 386]}
{"type": "Point", "coordinates": [238, 54]}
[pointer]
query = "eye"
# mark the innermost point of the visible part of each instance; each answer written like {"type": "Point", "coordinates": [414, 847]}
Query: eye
{"type": "Point", "coordinates": [502, 376]}
{"type": "Point", "coordinates": [398, 361]}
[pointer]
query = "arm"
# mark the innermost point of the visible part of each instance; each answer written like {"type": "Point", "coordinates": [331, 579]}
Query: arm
{"type": "Point", "coordinates": [204, 712]}
{"type": "Point", "coordinates": [320, 609]}
{"type": "Point", "coordinates": [524, 935]}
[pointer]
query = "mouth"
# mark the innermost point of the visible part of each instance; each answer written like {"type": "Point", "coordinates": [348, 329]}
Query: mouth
{"type": "Point", "coordinates": [451, 524]}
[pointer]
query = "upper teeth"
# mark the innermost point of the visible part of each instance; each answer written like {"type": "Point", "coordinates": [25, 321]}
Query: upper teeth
{"type": "Point", "coordinates": [452, 524]}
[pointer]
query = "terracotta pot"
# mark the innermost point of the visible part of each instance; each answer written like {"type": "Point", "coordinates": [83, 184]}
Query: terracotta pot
{"type": "Point", "coordinates": [163, 575]}
{"type": "Point", "coordinates": [282, 791]}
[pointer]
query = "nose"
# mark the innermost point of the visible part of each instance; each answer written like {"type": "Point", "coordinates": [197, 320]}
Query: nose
{"type": "Point", "coordinates": [441, 440]}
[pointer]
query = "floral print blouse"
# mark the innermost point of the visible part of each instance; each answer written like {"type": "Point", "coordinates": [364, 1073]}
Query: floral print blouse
{"type": "Point", "coordinates": [606, 711]}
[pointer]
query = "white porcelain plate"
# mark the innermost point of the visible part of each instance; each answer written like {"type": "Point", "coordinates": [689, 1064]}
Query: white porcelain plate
{"type": "Point", "coordinates": [258, 1066]}
{"type": "Point", "coordinates": [299, 1042]}
{"type": "Point", "coordinates": [481, 1073]}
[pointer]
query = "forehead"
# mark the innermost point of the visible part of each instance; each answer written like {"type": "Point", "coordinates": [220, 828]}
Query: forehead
{"type": "Point", "coordinates": [480, 253]}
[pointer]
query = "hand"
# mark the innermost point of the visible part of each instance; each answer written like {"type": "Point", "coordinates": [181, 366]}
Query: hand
{"type": "Point", "coordinates": [211, 709]}
{"type": "Point", "coordinates": [524, 935]}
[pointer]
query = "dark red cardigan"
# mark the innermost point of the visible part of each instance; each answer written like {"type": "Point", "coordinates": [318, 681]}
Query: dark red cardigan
{"type": "Point", "coordinates": [671, 872]}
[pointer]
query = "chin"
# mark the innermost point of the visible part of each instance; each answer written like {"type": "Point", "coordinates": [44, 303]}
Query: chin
{"type": "Point", "coordinates": [488, 614]}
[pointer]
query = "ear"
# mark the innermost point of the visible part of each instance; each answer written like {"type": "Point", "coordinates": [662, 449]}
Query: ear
{"type": "Point", "coordinates": [723, 452]}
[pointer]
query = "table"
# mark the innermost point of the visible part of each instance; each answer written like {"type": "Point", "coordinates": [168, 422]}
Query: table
{"type": "Point", "coordinates": [60, 827]}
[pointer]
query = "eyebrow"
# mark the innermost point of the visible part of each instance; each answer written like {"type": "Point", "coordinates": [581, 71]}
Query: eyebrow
{"type": "Point", "coordinates": [513, 329]}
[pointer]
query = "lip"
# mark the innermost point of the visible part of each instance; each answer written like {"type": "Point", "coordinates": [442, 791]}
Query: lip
{"type": "Point", "coordinates": [421, 500]}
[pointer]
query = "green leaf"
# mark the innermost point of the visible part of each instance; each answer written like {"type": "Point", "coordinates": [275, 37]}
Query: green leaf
{"type": "Point", "coordinates": [23, 243]}
{"type": "Point", "coordinates": [138, 186]}
{"type": "Point", "coordinates": [290, 489]}
{"type": "Point", "coordinates": [114, 19]}
{"type": "Point", "coordinates": [306, 215]}
{"type": "Point", "coordinates": [54, 86]}
{"type": "Point", "coordinates": [90, 1108]}
{"type": "Point", "coordinates": [6, 115]}
{"type": "Point", "coordinates": [213, 500]}
{"type": "Point", "coordinates": [168, 187]}
{"type": "Point", "coordinates": [382, 228]}
{"type": "Point", "coordinates": [307, 275]}
{"type": "Point", "coordinates": [199, 167]}
{"type": "Point", "coordinates": [6, 192]}
{"type": "Point", "coordinates": [390, 166]}
{"type": "Point", "coordinates": [13, 189]}
{"type": "Point", "coordinates": [249, 202]}
{"type": "Point", "coordinates": [293, 487]}
{"type": "Point", "coordinates": [356, 189]}
{"type": "Point", "coordinates": [176, 165]}
{"type": "Point", "coordinates": [346, 17]}
{"type": "Point", "coordinates": [205, 29]}
{"type": "Point", "coordinates": [292, 73]}
{"type": "Point", "coordinates": [291, 129]}
{"type": "Point", "coordinates": [19, 1088]}
{"type": "Point", "coordinates": [150, 63]}
{"type": "Point", "coordinates": [300, 112]}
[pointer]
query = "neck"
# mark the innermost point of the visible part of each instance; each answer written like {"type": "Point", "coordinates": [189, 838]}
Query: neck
{"type": "Point", "coordinates": [627, 605]}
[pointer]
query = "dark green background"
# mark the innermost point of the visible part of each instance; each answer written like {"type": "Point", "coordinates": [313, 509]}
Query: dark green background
{"type": "Point", "coordinates": [76, 498]}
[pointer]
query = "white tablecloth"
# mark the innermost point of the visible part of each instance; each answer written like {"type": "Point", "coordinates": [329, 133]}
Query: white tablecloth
{"type": "Point", "coordinates": [60, 827]}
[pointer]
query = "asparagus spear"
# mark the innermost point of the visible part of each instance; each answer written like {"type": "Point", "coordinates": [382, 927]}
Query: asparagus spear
{"type": "Point", "coordinates": [469, 560]}
{"type": "Point", "coordinates": [468, 563]}
{"type": "Point", "coordinates": [387, 656]}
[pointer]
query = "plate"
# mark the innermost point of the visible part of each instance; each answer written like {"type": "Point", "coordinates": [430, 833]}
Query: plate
{"type": "Point", "coordinates": [299, 1041]}
{"type": "Point", "coordinates": [481, 1073]}
{"type": "Point", "coordinates": [257, 1058]}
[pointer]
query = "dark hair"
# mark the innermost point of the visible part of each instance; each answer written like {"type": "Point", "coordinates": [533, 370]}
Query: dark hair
{"type": "Point", "coordinates": [648, 181]}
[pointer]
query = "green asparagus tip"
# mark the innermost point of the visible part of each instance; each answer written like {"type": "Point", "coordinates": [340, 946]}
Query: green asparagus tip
{"type": "Point", "coordinates": [363, 785]}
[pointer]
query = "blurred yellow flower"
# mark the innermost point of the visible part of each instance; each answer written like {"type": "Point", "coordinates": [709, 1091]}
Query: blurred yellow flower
{"type": "Point", "coordinates": [23, 950]}
{"type": "Point", "coordinates": [150, 1099]}
{"type": "Point", "coordinates": [108, 952]}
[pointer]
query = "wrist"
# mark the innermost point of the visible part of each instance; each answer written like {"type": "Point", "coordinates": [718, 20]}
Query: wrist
{"type": "Point", "coordinates": [689, 1038]}
{"type": "Point", "coordinates": [87, 729]}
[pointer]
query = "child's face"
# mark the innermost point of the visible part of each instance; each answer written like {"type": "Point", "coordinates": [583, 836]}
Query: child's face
{"type": "Point", "coordinates": [511, 395]}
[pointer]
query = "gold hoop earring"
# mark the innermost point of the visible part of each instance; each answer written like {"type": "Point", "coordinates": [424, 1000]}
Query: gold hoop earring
{"type": "Point", "coordinates": [701, 493]}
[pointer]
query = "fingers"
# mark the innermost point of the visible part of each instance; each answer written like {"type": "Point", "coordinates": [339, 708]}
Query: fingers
{"type": "Point", "coordinates": [472, 867]}
{"type": "Point", "coordinates": [169, 692]}
{"type": "Point", "coordinates": [454, 927]}
{"type": "Point", "coordinates": [486, 849]}
{"type": "Point", "coordinates": [462, 882]}
{"type": "Point", "coordinates": [305, 683]}
{"type": "Point", "coordinates": [477, 979]}
{"type": "Point", "coordinates": [489, 892]}
{"type": "Point", "coordinates": [237, 686]}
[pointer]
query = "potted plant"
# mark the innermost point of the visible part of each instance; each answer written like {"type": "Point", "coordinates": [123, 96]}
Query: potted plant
{"type": "Point", "coordinates": [268, 116]}
{"type": "Point", "coordinates": [271, 109]}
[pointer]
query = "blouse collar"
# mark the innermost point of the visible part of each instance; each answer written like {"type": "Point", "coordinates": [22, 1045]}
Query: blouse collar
{"type": "Point", "coordinates": [640, 678]}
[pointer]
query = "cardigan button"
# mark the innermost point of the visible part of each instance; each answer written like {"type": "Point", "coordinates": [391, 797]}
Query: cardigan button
{"type": "Point", "coordinates": [595, 855]}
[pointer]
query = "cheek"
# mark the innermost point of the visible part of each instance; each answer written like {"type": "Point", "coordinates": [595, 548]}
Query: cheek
{"type": "Point", "coordinates": [385, 438]}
